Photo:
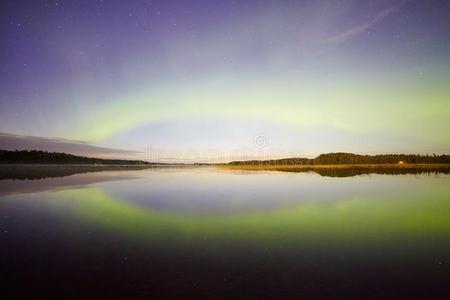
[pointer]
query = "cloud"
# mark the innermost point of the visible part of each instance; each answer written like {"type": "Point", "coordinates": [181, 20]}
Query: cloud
{"type": "Point", "coordinates": [362, 27]}
{"type": "Point", "coordinates": [20, 142]}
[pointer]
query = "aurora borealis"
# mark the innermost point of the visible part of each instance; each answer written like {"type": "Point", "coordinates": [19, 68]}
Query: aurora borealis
{"type": "Point", "coordinates": [208, 76]}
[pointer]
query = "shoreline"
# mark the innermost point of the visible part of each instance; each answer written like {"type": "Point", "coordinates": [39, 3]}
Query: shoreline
{"type": "Point", "coordinates": [263, 167]}
{"type": "Point", "coordinates": [246, 166]}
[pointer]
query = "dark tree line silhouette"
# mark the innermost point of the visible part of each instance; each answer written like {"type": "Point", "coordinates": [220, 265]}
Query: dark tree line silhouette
{"type": "Point", "coordinates": [350, 158]}
{"type": "Point", "coordinates": [338, 158]}
{"type": "Point", "coordinates": [342, 158]}
{"type": "Point", "coordinates": [44, 157]}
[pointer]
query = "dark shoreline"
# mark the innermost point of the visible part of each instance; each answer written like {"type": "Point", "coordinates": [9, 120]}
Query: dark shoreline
{"type": "Point", "coordinates": [347, 170]}
{"type": "Point", "coordinates": [43, 171]}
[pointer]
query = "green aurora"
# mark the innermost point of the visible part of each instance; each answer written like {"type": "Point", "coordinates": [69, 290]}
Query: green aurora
{"type": "Point", "coordinates": [405, 216]}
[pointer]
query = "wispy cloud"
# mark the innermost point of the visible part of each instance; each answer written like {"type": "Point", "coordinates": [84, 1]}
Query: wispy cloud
{"type": "Point", "coordinates": [13, 141]}
{"type": "Point", "coordinates": [364, 26]}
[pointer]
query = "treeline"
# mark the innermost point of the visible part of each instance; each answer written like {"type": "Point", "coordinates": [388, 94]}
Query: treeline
{"type": "Point", "coordinates": [342, 158]}
{"type": "Point", "coordinates": [350, 158]}
{"type": "Point", "coordinates": [44, 157]}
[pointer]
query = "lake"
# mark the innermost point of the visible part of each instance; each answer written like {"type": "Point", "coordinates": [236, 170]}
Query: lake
{"type": "Point", "coordinates": [210, 233]}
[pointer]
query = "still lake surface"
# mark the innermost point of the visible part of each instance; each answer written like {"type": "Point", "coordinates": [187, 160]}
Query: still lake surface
{"type": "Point", "coordinates": [207, 233]}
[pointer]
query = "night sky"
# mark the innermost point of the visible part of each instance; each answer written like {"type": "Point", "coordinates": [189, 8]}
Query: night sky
{"type": "Point", "coordinates": [218, 76]}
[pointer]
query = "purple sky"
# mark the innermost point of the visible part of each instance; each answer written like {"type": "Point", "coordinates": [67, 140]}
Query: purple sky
{"type": "Point", "coordinates": [190, 77]}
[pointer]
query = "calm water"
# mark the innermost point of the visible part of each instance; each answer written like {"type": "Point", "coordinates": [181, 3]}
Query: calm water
{"type": "Point", "coordinates": [205, 233]}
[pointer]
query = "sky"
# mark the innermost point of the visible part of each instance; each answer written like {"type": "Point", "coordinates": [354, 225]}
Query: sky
{"type": "Point", "coordinates": [196, 80]}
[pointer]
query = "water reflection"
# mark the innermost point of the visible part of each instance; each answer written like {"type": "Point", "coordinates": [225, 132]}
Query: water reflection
{"type": "Point", "coordinates": [209, 233]}
{"type": "Point", "coordinates": [33, 172]}
{"type": "Point", "coordinates": [400, 216]}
